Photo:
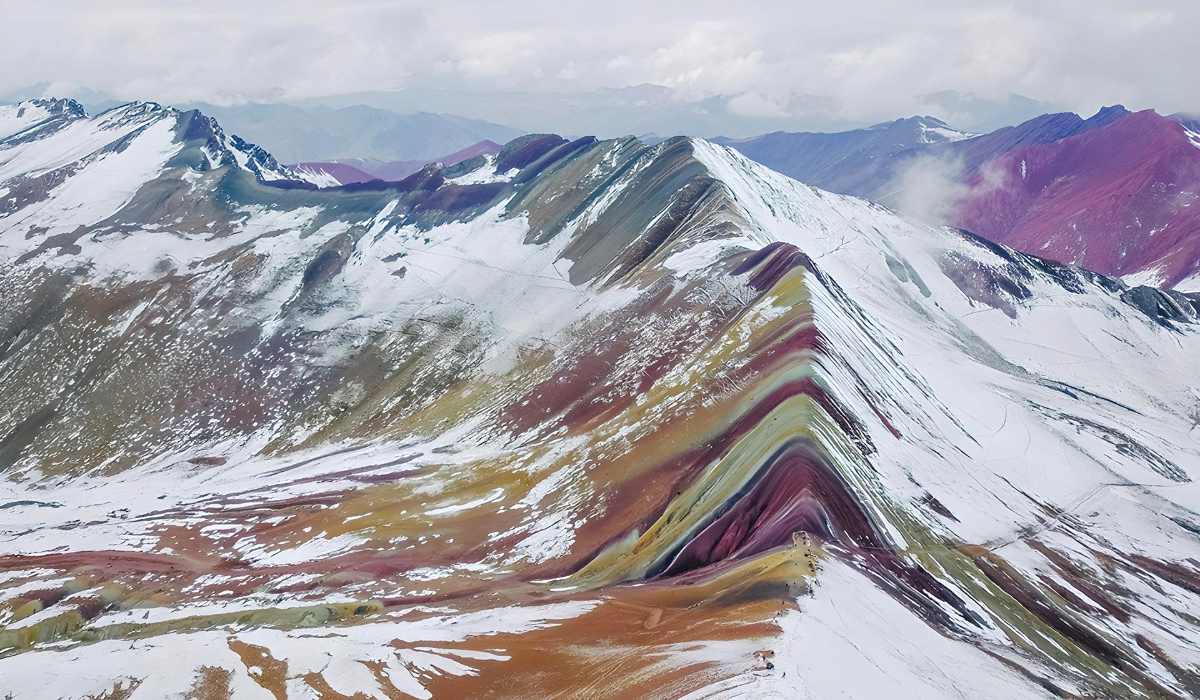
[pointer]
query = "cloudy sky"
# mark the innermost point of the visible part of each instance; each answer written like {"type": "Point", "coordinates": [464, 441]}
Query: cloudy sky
{"type": "Point", "coordinates": [868, 58]}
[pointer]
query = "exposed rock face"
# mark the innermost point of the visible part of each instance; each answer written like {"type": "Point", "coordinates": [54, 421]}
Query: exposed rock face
{"type": "Point", "coordinates": [506, 426]}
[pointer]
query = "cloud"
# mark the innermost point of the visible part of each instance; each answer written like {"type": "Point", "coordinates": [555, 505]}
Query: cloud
{"type": "Point", "coordinates": [930, 188]}
{"type": "Point", "coordinates": [869, 58]}
{"type": "Point", "coordinates": [935, 188]}
{"type": "Point", "coordinates": [753, 104]}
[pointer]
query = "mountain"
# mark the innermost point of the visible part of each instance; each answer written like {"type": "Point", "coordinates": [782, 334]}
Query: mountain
{"type": "Point", "coordinates": [17, 117]}
{"type": "Point", "coordinates": [94, 101]}
{"type": "Point", "coordinates": [313, 133]}
{"type": "Point", "coordinates": [507, 426]}
{"type": "Point", "coordinates": [981, 114]}
{"type": "Point", "coordinates": [848, 161]}
{"type": "Point", "coordinates": [868, 162]}
{"type": "Point", "coordinates": [1113, 192]}
{"type": "Point", "coordinates": [47, 139]}
{"type": "Point", "coordinates": [975, 152]}
{"type": "Point", "coordinates": [1191, 122]}
{"type": "Point", "coordinates": [400, 169]}
{"type": "Point", "coordinates": [316, 133]}
{"type": "Point", "coordinates": [1123, 199]}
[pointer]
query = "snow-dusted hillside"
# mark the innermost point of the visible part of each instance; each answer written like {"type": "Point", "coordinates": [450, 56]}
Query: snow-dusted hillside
{"type": "Point", "coordinates": [582, 419]}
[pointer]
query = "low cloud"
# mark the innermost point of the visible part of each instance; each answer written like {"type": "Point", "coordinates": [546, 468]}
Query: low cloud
{"type": "Point", "coordinates": [753, 104]}
{"type": "Point", "coordinates": [930, 188]}
{"type": "Point", "coordinates": [935, 188]}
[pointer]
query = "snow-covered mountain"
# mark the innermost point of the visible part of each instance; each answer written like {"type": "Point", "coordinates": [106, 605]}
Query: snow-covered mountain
{"type": "Point", "coordinates": [582, 418]}
{"type": "Point", "coordinates": [47, 140]}
{"type": "Point", "coordinates": [22, 115]}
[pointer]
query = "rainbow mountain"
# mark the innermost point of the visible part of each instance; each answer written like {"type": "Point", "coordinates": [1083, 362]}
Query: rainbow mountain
{"type": "Point", "coordinates": [580, 419]}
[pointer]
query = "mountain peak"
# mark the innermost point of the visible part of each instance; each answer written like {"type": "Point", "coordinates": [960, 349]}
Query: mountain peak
{"type": "Point", "coordinates": [1111, 109]}
{"type": "Point", "coordinates": [37, 119]}
{"type": "Point", "coordinates": [64, 106]}
{"type": "Point", "coordinates": [1107, 115]}
{"type": "Point", "coordinates": [919, 129]}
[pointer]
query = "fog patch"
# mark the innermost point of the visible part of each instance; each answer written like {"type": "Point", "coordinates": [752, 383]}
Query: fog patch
{"type": "Point", "coordinates": [935, 188]}
{"type": "Point", "coordinates": [930, 188]}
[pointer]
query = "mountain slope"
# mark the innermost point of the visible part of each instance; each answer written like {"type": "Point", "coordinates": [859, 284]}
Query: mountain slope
{"type": "Point", "coordinates": [609, 112]}
{"type": "Point", "coordinates": [1118, 199]}
{"type": "Point", "coordinates": [585, 405]}
{"type": "Point", "coordinates": [1113, 193]}
{"type": "Point", "coordinates": [24, 115]}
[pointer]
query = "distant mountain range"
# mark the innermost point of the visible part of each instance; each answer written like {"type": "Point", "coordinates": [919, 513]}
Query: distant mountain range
{"type": "Point", "coordinates": [854, 162]}
{"type": "Point", "coordinates": [316, 133]}
{"type": "Point", "coordinates": [353, 170]}
{"type": "Point", "coordinates": [660, 110]}
{"type": "Point", "coordinates": [305, 130]}
{"type": "Point", "coordinates": [1114, 193]}
{"type": "Point", "coordinates": [981, 115]}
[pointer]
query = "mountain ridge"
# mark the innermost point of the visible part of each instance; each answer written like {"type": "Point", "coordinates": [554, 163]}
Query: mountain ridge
{"type": "Point", "coordinates": [582, 405]}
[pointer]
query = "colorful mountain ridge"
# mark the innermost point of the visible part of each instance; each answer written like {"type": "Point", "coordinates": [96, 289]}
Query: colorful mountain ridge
{"type": "Point", "coordinates": [583, 418]}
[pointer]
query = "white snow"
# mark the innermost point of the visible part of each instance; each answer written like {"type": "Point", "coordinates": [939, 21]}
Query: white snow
{"type": "Point", "coordinates": [851, 640]}
{"type": "Point", "coordinates": [320, 178]}
{"type": "Point", "coordinates": [484, 173]}
{"type": "Point", "coordinates": [1150, 277]}
{"type": "Point", "coordinates": [1190, 284]}
{"type": "Point", "coordinates": [1192, 136]}
{"type": "Point", "coordinates": [18, 117]}
{"type": "Point", "coordinates": [940, 134]}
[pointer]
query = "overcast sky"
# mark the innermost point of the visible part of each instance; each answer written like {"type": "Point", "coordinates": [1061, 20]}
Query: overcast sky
{"type": "Point", "coordinates": [870, 58]}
